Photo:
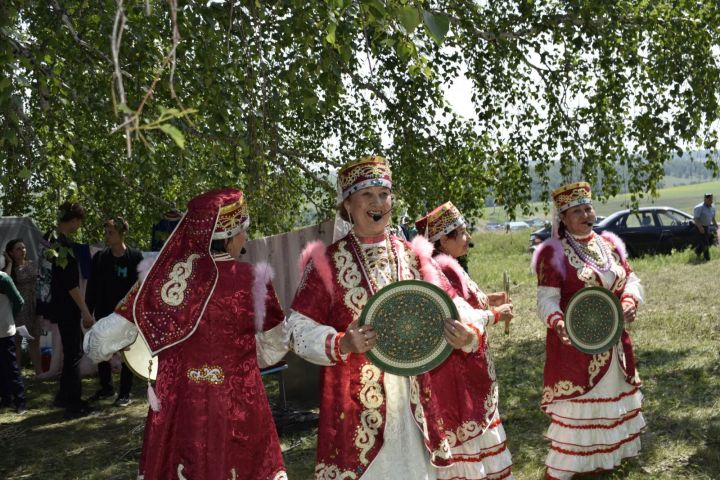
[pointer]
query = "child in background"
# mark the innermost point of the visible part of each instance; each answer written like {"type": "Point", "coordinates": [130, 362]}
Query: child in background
{"type": "Point", "coordinates": [12, 390]}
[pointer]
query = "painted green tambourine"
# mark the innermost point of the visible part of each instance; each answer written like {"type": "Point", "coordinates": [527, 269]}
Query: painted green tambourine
{"type": "Point", "coordinates": [409, 317]}
{"type": "Point", "coordinates": [594, 320]}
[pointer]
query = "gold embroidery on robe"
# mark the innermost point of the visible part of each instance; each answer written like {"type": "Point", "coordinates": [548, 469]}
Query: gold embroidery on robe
{"type": "Point", "coordinates": [598, 361]}
{"type": "Point", "coordinates": [350, 279]}
{"type": "Point", "coordinates": [562, 388]}
{"type": "Point", "coordinates": [332, 472]}
{"type": "Point", "coordinates": [207, 373]}
{"type": "Point", "coordinates": [371, 419]}
{"type": "Point", "coordinates": [173, 291]}
{"type": "Point", "coordinates": [417, 408]}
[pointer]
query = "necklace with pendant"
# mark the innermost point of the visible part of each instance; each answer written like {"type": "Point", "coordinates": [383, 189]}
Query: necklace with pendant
{"type": "Point", "coordinates": [367, 268]}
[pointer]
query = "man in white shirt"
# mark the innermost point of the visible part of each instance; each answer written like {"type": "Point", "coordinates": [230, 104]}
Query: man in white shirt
{"type": "Point", "coordinates": [704, 217]}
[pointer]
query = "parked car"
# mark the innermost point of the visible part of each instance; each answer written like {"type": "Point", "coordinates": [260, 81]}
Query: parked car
{"type": "Point", "coordinates": [512, 226]}
{"type": "Point", "coordinates": [542, 234]}
{"type": "Point", "coordinates": [645, 231]}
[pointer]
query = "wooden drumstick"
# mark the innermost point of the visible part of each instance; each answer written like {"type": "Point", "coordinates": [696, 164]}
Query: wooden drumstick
{"type": "Point", "coordinates": [506, 289]}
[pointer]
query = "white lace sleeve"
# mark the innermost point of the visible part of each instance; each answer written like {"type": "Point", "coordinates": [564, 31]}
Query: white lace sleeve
{"type": "Point", "coordinates": [311, 340]}
{"type": "Point", "coordinates": [634, 288]}
{"type": "Point", "coordinates": [476, 318]}
{"type": "Point", "coordinates": [548, 305]}
{"type": "Point", "coordinates": [109, 335]}
{"type": "Point", "coordinates": [272, 345]}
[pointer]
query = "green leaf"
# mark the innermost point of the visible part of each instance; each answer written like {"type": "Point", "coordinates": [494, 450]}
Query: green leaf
{"type": "Point", "coordinates": [4, 83]}
{"type": "Point", "coordinates": [174, 133]}
{"type": "Point", "coordinates": [437, 25]}
{"type": "Point", "coordinates": [330, 37]}
{"type": "Point", "coordinates": [409, 18]}
{"type": "Point", "coordinates": [24, 173]}
{"type": "Point", "coordinates": [377, 8]}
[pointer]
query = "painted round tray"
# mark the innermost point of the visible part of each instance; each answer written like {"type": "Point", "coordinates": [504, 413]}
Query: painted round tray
{"type": "Point", "coordinates": [409, 317]}
{"type": "Point", "coordinates": [594, 320]}
{"type": "Point", "coordinates": [137, 357]}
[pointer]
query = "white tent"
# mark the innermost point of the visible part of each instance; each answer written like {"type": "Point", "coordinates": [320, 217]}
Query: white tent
{"type": "Point", "coordinates": [20, 227]}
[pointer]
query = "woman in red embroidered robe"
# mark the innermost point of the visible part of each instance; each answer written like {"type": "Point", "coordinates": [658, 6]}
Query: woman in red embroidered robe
{"type": "Point", "coordinates": [373, 425]}
{"type": "Point", "coordinates": [593, 401]}
{"type": "Point", "coordinates": [211, 320]}
{"type": "Point", "coordinates": [480, 452]}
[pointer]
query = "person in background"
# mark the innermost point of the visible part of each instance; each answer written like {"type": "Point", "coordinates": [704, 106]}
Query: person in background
{"type": "Point", "coordinates": [162, 230]}
{"type": "Point", "coordinates": [67, 306]}
{"type": "Point", "coordinates": [42, 304]}
{"type": "Point", "coordinates": [24, 273]}
{"type": "Point", "coordinates": [114, 272]}
{"type": "Point", "coordinates": [11, 384]}
{"type": "Point", "coordinates": [704, 217]}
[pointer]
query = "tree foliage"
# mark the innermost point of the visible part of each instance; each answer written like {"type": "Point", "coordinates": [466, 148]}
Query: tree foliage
{"type": "Point", "coordinates": [273, 96]}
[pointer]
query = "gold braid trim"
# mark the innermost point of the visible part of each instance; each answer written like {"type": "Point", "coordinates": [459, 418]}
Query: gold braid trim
{"type": "Point", "coordinates": [350, 279]}
{"type": "Point", "coordinates": [332, 472]}
{"type": "Point", "coordinates": [372, 398]}
{"type": "Point", "coordinates": [599, 360]}
{"type": "Point", "coordinates": [563, 388]}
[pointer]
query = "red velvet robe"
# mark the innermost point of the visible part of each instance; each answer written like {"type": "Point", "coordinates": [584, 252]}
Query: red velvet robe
{"type": "Point", "coordinates": [569, 372]}
{"type": "Point", "coordinates": [474, 373]}
{"type": "Point", "coordinates": [333, 291]}
{"type": "Point", "coordinates": [215, 420]}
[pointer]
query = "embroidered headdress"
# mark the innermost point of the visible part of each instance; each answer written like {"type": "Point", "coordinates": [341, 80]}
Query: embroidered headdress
{"type": "Point", "coordinates": [173, 297]}
{"type": "Point", "coordinates": [370, 171]}
{"type": "Point", "coordinates": [441, 221]}
{"type": "Point", "coordinates": [571, 195]}
{"type": "Point", "coordinates": [233, 219]}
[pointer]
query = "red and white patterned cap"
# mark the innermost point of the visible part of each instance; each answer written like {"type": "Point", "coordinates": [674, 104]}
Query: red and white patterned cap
{"type": "Point", "coordinates": [441, 221]}
{"type": "Point", "coordinates": [369, 171]}
{"type": "Point", "coordinates": [571, 195]}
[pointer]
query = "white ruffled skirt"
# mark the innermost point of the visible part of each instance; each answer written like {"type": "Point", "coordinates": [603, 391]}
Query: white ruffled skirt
{"type": "Point", "coordinates": [483, 457]}
{"type": "Point", "coordinates": [596, 431]}
{"type": "Point", "coordinates": [404, 456]}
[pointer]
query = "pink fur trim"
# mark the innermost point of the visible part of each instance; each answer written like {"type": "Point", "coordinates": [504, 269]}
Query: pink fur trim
{"type": "Point", "coordinates": [153, 399]}
{"type": "Point", "coordinates": [429, 270]}
{"type": "Point", "coordinates": [144, 267]}
{"type": "Point", "coordinates": [263, 275]}
{"type": "Point", "coordinates": [422, 246]}
{"type": "Point", "coordinates": [619, 244]}
{"type": "Point", "coordinates": [315, 251]}
{"type": "Point", "coordinates": [556, 260]}
{"type": "Point", "coordinates": [448, 262]}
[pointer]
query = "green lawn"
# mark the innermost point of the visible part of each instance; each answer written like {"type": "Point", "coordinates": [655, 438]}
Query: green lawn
{"type": "Point", "coordinates": [676, 338]}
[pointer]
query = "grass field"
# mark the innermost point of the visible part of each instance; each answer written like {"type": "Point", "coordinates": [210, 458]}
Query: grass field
{"type": "Point", "coordinates": [683, 197]}
{"type": "Point", "coordinates": [676, 337]}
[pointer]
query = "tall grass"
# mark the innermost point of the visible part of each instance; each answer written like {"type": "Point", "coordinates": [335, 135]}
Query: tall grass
{"type": "Point", "coordinates": [676, 339]}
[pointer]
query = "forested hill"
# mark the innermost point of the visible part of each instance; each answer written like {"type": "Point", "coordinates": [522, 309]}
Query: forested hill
{"type": "Point", "coordinates": [684, 170]}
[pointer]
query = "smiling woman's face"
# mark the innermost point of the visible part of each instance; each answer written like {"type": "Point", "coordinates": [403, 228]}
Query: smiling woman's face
{"type": "Point", "coordinates": [365, 203]}
{"type": "Point", "coordinates": [579, 219]}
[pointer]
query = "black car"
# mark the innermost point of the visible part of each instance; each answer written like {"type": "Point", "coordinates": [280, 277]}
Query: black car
{"type": "Point", "coordinates": [644, 231]}
{"type": "Point", "coordinates": [542, 234]}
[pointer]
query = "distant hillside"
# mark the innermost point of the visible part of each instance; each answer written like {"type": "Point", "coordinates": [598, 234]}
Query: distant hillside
{"type": "Point", "coordinates": [688, 169]}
